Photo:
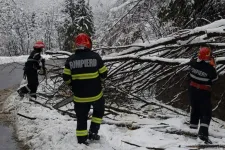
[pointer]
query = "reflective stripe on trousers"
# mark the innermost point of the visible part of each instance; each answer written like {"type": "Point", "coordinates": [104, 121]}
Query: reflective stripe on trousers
{"type": "Point", "coordinates": [88, 99]}
{"type": "Point", "coordinates": [81, 132]}
{"type": "Point", "coordinates": [96, 120]}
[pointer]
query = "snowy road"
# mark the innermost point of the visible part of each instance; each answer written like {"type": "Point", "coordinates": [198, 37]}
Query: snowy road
{"type": "Point", "coordinates": [10, 75]}
{"type": "Point", "coordinates": [7, 143]}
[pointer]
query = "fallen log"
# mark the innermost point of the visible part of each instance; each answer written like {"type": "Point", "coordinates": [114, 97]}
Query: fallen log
{"type": "Point", "coordinates": [36, 102]}
{"type": "Point", "coordinates": [129, 125]}
{"type": "Point", "coordinates": [63, 102]}
{"type": "Point", "coordinates": [153, 148]}
{"type": "Point", "coordinates": [125, 111]}
{"type": "Point", "coordinates": [67, 113]}
{"type": "Point", "coordinates": [133, 125]}
{"type": "Point", "coordinates": [179, 132]}
{"type": "Point", "coordinates": [31, 118]}
{"type": "Point", "coordinates": [204, 146]}
{"type": "Point", "coordinates": [111, 112]}
{"type": "Point", "coordinates": [185, 133]}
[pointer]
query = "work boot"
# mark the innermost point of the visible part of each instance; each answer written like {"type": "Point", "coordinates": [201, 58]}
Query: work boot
{"type": "Point", "coordinates": [85, 143]}
{"type": "Point", "coordinates": [93, 136]}
{"type": "Point", "coordinates": [193, 126]}
{"type": "Point", "coordinates": [205, 139]}
{"type": "Point", "coordinates": [21, 94]}
{"type": "Point", "coordinates": [82, 140]}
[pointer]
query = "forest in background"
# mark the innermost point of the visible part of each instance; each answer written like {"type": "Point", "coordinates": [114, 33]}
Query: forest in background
{"type": "Point", "coordinates": [122, 23]}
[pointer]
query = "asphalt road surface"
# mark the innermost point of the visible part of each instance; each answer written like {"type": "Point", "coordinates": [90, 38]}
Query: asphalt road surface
{"type": "Point", "coordinates": [7, 140]}
{"type": "Point", "coordinates": [10, 75]}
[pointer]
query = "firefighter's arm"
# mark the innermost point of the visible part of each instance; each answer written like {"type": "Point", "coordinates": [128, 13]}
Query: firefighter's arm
{"type": "Point", "coordinates": [212, 62]}
{"type": "Point", "coordinates": [102, 69]}
{"type": "Point", "coordinates": [214, 75]}
{"type": "Point", "coordinates": [43, 68]}
{"type": "Point", "coordinates": [67, 73]}
{"type": "Point", "coordinates": [37, 57]}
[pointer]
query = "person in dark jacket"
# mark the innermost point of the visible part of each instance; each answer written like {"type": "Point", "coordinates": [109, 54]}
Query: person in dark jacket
{"type": "Point", "coordinates": [202, 75]}
{"type": "Point", "coordinates": [31, 71]}
{"type": "Point", "coordinates": [85, 71]}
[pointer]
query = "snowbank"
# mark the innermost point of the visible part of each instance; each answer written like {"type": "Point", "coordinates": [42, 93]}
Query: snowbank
{"type": "Point", "coordinates": [18, 59]}
{"type": "Point", "coordinates": [52, 131]}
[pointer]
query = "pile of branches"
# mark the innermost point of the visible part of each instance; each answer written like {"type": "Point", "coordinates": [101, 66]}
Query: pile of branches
{"type": "Point", "coordinates": [135, 70]}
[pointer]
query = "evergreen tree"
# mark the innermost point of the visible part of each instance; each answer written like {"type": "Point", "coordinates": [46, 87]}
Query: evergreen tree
{"type": "Point", "coordinates": [68, 30]}
{"type": "Point", "coordinates": [84, 18]}
{"type": "Point", "coordinates": [79, 19]}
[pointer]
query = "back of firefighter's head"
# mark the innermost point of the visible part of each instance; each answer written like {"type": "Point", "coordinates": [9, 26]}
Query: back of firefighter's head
{"type": "Point", "coordinates": [39, 45]}
{"type": "Point", "coordinates": [204, 54]}
{"type": "Point", "coordinates": [83, 41]}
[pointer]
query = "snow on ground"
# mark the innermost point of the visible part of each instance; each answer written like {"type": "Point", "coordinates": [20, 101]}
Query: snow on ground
{"type": "Point", "coordinates": [53, 131]}
{"type": "Point", "coordinates": [12, 59]}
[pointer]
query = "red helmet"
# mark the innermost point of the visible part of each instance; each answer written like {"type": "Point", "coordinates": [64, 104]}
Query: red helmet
{"type": "Point", "coordinates": [204, 53]}
{"type": "Point", "coordinates": [39, 44]}
{"type": "Point", "coordinates": [83, 40]}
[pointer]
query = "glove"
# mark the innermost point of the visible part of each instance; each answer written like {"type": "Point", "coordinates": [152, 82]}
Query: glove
{"type": "Point", "coordinates": [42, 60]}
{"type": "Point", "coordinates": [42, 71]}
{"type": "Point", "coordinates": [212, 62]}
{"type": "Point", "coordinates": [24, 73]}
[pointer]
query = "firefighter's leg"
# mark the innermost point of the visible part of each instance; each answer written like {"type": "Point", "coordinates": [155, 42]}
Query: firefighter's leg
{"type": "Point", "coordinates": [195, 108]}
{"type": "Point", "coordinates": [32, 83]}
{"type": "Point", "coordinates": [98, 113]}
{"type": "Point", "coordinates": [82, 110]}
{"type": "Point", "coordinates": [206, 113]}
{"type": "Point", "coordinates": [194, 117]}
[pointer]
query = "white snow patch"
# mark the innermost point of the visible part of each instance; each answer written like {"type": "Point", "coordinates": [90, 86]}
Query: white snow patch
{"type": "Point", "coordinates": [216, 24]}
{"type": "Point", "coordinates": [121, 6]}
{"type": "Point", "coordinates": [18, 59]}
{"type": "Point", "coordinates": [53, 131]}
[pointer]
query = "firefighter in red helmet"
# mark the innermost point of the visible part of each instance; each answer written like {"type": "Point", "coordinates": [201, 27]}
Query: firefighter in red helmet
{"type": "Point", "coordinates": [31, 71]}
{"type": "Point", "coordinates": [85, 71]}
{"type": "Point", "coordinates": [202, 75]}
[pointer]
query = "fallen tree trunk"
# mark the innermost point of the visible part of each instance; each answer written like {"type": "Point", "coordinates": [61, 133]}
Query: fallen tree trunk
{"type": "Point", "coordinates": [185, 133]}
{"type": "Point", "coordinates": [63, 102]}
{"type": "Point", "coordinates": [31, 118]}
{"type": "Point", "coordinates": [125, 111]}
{"type": "Point", "coordinates": [36, 102]}
{"type": "Point", "coordinates": [67, 113]}
{"type": "Point", "coordinates": [133, 125]}
{"type": "Point", "coordinates": [216, 146]}
{"type": "Point", "coordinates": [152, 148]}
